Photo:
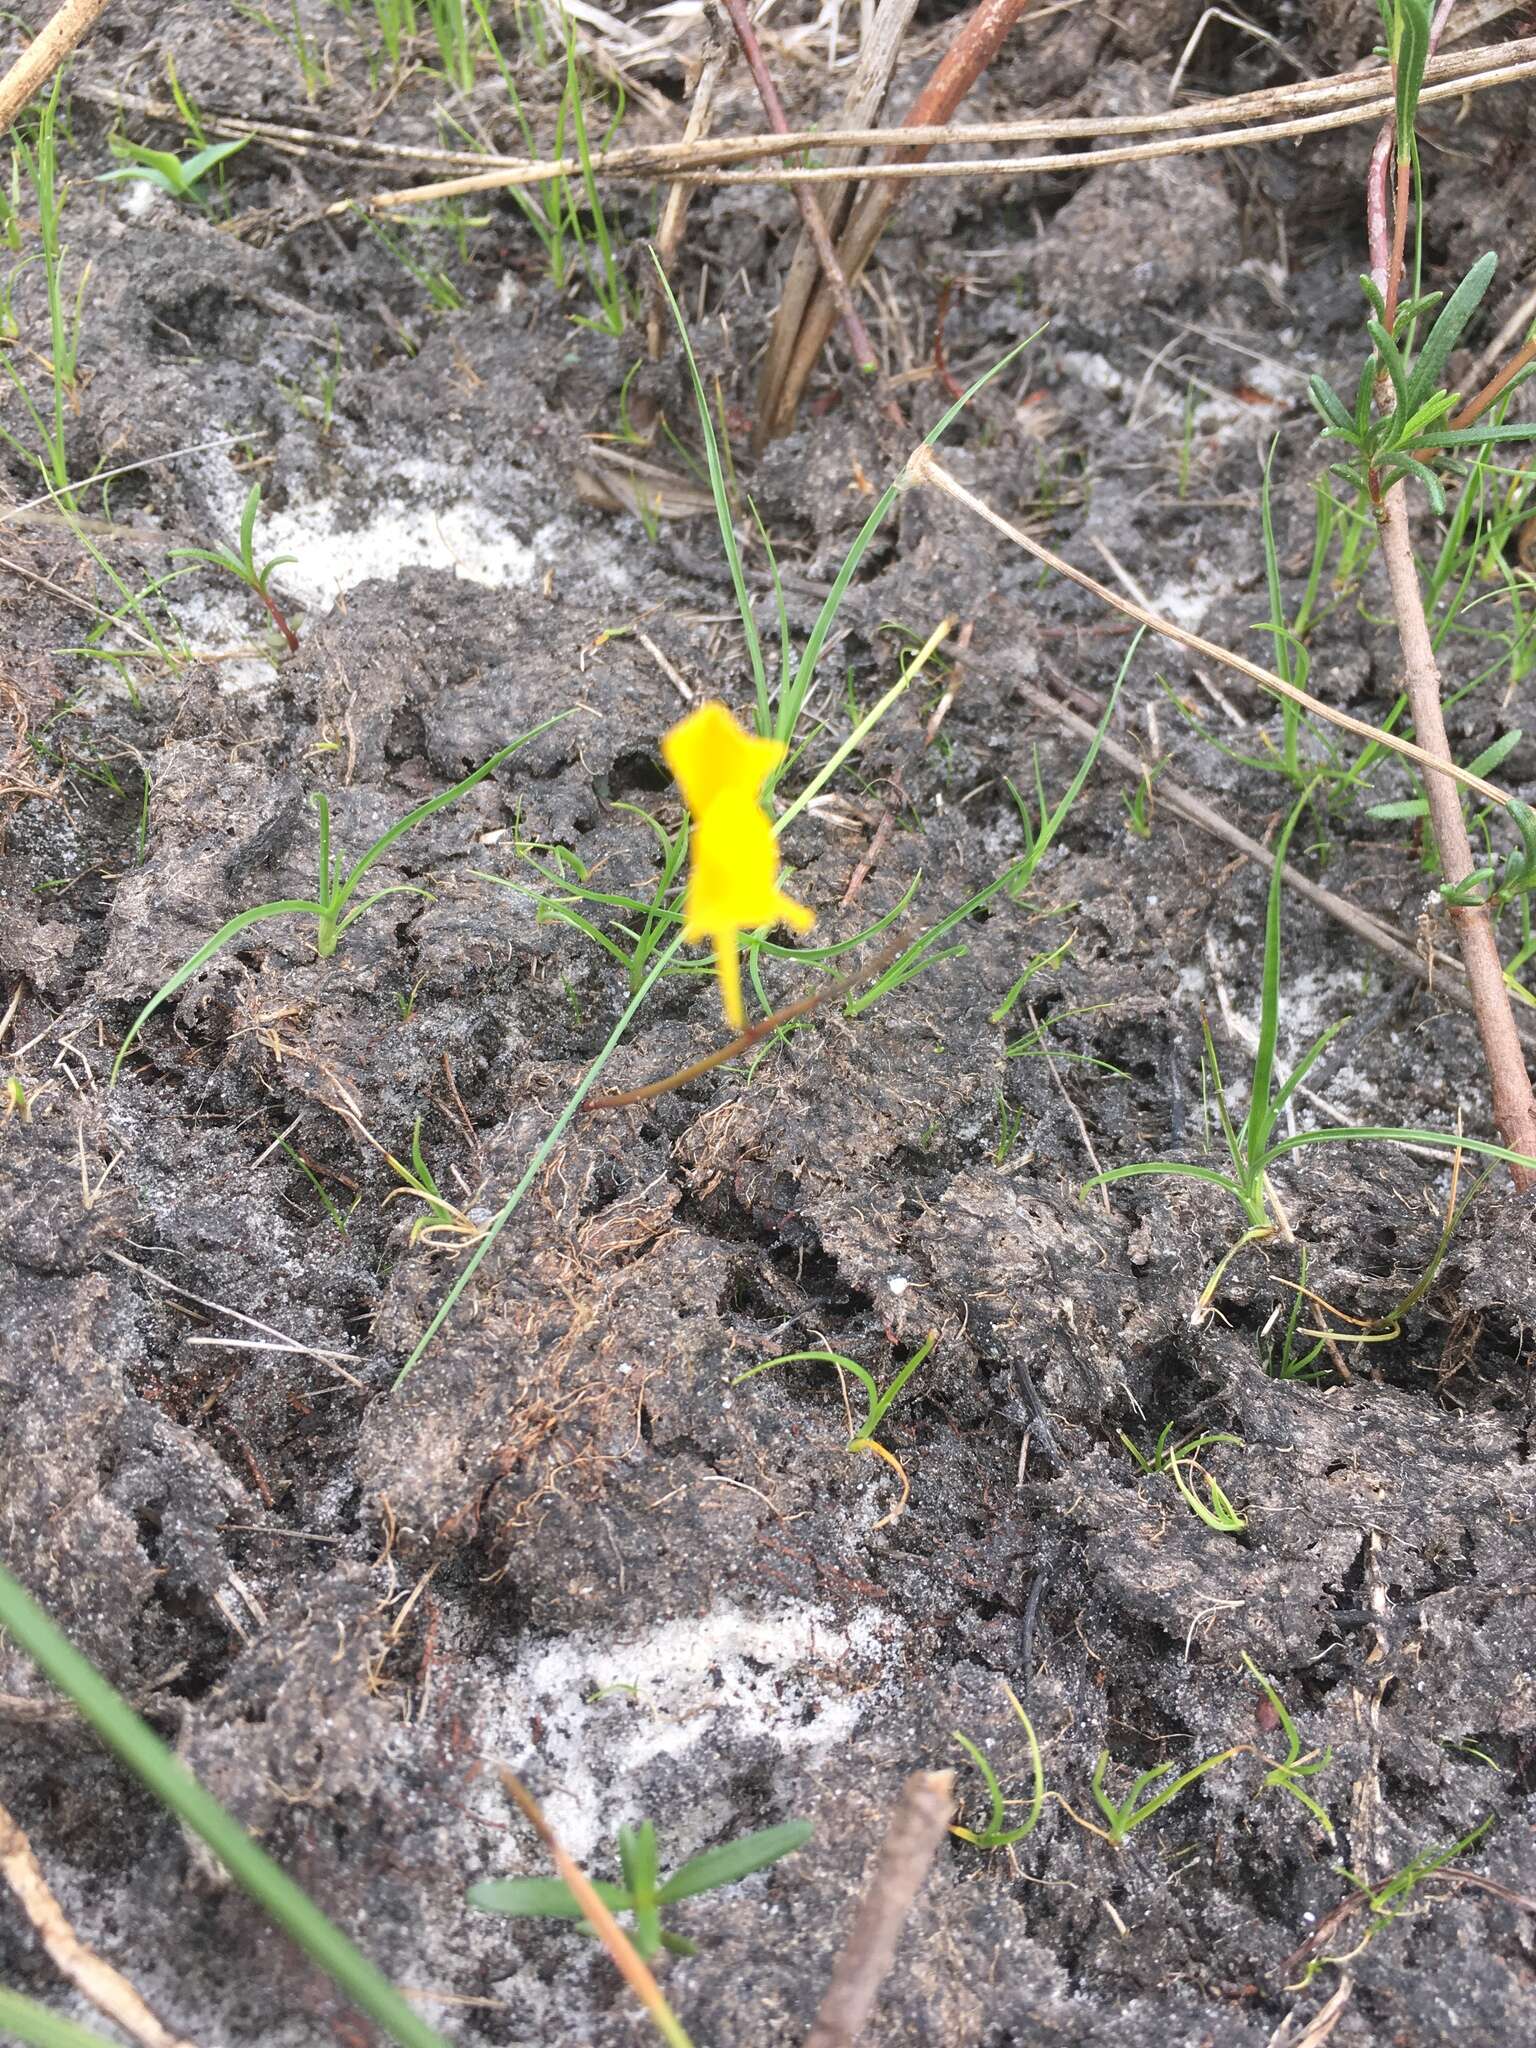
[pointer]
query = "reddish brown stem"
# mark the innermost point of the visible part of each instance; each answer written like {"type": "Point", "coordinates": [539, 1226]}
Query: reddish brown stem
{"type": "Point", "coordinates": [279, 621]}
{"type": "Point", "coordinates": [1514, 1108]}
{"type": "Point", "coordinates": [914, 1837]}
{"type": "Point", "coordinates": [753, 1035]}
{"type": "Point", "coordinates": [980, 38]}
{"type": "Point", "coordinates": [810, 209]}
{"type": "Point", "coordinates": [1496, 386]}
{"type": "Point", "coordinates": [1399, 239]}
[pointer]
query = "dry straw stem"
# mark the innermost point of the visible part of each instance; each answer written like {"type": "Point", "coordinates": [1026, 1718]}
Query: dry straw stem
{"type": "Point", "coordinates": [1437, 969]}
{"type": "Point", "coordinates": [810, 209]}
{"type": "Point", "coordinates": [980, 37]}
{"type": "Point", "coordinates": [627, 1959]}
{"type": "Point", "coordinates": [1514, 1109]}
{"type": "Point", "coordinates": [44, 54]}
{"type": "Point", "coordinates": [917, 1829]}
{"type": "Point", "coordinates": [1267, 116]}
{"type": "Point", "coordinates": [674, 212]}
{"type": "Point", "coordinates": [107, 1989]}
{"type": "Point", "coordinates": [923, 469]}
{"type": "Point", "coordinates": [879, 48]}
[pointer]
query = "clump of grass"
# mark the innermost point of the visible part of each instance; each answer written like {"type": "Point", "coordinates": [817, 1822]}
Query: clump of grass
{"type": "Point", "coordinates": [1298, 1761]}
{"type": "Point", "coordinates": [1123, 1817]}
{"type": "Point", "coordinates": [877, 1403]}
{"type": "Point", "coordinates": [1216, 1511]}
{"type": "Point", "coordinates": [332, 908]}
{"type": "Point", "coordinates": [644, 1893]}
{"type": "Point", "coordinates": [240, 562]}
{"type": "Point", "coordinates": [997, 1834]}
{"type": "Point", "coordinates": [1254, 1147]}
{"type": "Point", "coordinates": [663, 959]}
{"type": "Point", "coordinates": [1387, 1901]}
{"type": "Point", "coordinates": [1040, 827]}
{"type": "Point", "coordinates": [39, 160]}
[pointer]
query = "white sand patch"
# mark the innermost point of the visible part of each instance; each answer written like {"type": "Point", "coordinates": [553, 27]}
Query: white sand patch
{"type": "Point", "coordinates": [705, 1688]}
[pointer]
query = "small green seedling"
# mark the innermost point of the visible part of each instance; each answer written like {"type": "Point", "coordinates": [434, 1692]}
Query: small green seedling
{"type": "Point", "coordinates": [1297, 1763]}
{"type": "Point", "coordinates": [180, 176]}
{"type": "Point", "coordinates": [1388, 446]}
{"type": "Point", "coordinates": [1010, 1122]}
{"type": "Point", "coordinates": [1517, 877]}
{"type": "Point", "coordinates": [242, 566]}
{"type": "Point", "coordinates": [1138, 802]}
{"type": "Point", "coordinates": [877, 1403]}
{"type": "Point", "coordinates": [333, 918]}
{"type": "Point", "coordinates": [1476, 888]}
{"type": "Point", "coordinates": [570, 879]}
{"type": "Point", "coordinates": [1386, 1901]}
{"type": "Point", "coordinates": [443, 1222]}
{"type": "Point", "coordinates": [644, 1893]}
{"type": "Point", "coordinates": [1217, 1512]}
{"type": "Point", "coordinates": [1253, 1147]}
{"type": "Point", "coordinates": [1141, 1802]}
{"type": "Point", "coordinates": [997, 1834]}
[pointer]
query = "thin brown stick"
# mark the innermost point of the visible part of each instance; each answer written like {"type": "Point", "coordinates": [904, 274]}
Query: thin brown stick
{"type": "Point", "coordinates": [1495, 388]}
{"type": "Point", "coordinates": [1455, 76]}
{"type": "Point", "coordinates": [913, 1839]}
{"type": "Point", "coordinates": [981, 36]}
{"type": "Point", "coordinates": [923, 469]}
{"type": "Point", "coordinates": [626, 1957]}
{"type": "Point", "coordinates": [810, 211]}
{"type": "Point", "coordinates": [753, 1035]}
{"type": "Point", "coordinates": [44, 54]}
{"type": "Point", "coordinates": [107, 1989]}
{"type": "Point", "coordinates": [1514, 1107]}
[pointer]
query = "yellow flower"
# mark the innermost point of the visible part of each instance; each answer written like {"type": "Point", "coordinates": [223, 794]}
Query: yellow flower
{"type": "Point", "coordinates": [734, 867]}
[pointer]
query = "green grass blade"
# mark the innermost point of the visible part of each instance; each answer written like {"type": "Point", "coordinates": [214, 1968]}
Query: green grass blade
{"type": "Point", "coordinates": [175, 1787]}
{"type": "Point", "coordinates": [881, 1407]}
{"type": "Point", "coordinates": [1351, 1134]}
{"type": "Point", "coordinates": [1260, 1120]}
{"type": "Point", "coordinates": [1169, 1169]}
{"type": "Point", "coordinates": [723, 514]}
{"type": "Point", "coordinates": [285, 907]}
{"type": "Point", "coordinates": [1305, 1064]}
{"type": "Point", "coordinates": [836, 1360]}
{"type": "Point", "coordinates": [444, 797]}
{"type": "Point", "coordinates": [538, 1160]}
{"type": "Point", "coordinates": [37, 2027]}
{"type": "Point", "coordinates": [734, 1860]}
{"type": "Point", "coordinates": [540, 1898]}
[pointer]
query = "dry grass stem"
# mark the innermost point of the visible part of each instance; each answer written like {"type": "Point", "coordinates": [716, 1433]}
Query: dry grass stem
{"type": "Point", "coordinates": [107, 1989]}
{"type": "Point", "coordinates": [1267, 116]}
{"type": "Point", "coordinates": [810, 210]}
{"type": "Point", "coordinates": [44, 54]}
{"type": "Point", "coordinates": [913, 1839]}
{"type": "Point", "coordinates": [923, 469]}
{"type": "Point", "coordinates": [879, 49]}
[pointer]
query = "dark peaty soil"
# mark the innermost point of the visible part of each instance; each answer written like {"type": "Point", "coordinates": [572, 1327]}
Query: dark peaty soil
{"type": "Point", "coordinates": [567, 1543]}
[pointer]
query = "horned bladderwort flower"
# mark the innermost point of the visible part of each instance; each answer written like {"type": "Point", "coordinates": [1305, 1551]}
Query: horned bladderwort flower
{"type": "Point", "coordinates": [733, 875]}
